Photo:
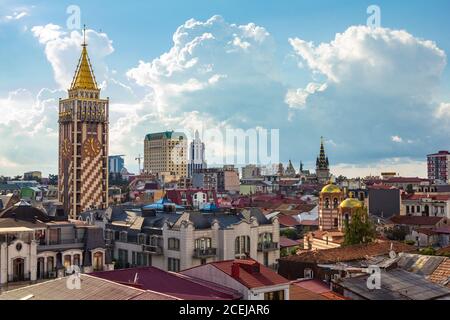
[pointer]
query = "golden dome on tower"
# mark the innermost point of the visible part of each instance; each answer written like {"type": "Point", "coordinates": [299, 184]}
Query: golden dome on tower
{"type": "Point", "coordinates": [331, 188]}
{"type": "Point", "coordinates": [351, 203]}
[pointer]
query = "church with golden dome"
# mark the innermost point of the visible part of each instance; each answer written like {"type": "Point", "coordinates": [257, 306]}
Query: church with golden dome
{"type": "Point", "coordinates": [335, 211]}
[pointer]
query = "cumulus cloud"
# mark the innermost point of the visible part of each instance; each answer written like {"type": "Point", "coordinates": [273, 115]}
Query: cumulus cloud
{"type": "Point", "coordinates": [28, 129]}
{"type": "Point", "coordinates": [63, 50]}
{"type": "Point", "coordinates": [216, 68]}
{"type": "Point", "coordinates": [376, 84]}
{"type": "Point", "coordinates": [365, 89]}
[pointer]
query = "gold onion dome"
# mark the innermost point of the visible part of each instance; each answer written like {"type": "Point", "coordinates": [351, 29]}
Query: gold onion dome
{"type": "Point", "coordinates": [331, 188]}
{"type": "Point", "coordinates": [351, 203]}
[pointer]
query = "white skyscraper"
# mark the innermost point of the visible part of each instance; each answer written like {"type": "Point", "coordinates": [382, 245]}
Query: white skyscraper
{"type": "Point", "coordinates": [196, 155]}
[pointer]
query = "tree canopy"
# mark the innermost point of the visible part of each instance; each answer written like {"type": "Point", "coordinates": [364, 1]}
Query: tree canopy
{"type": "Point", "coordinates": [360, 229]}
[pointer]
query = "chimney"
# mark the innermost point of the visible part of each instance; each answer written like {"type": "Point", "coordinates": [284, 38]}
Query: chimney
{"type": "Point", "coordinates": [235, 270]}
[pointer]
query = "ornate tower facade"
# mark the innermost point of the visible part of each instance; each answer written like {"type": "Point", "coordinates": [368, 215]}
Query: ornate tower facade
{"type": "Point", "coordinates": [330, 217]}
{"type": "Point", "coordinates": [322, 165]}
{"type": "Point", "coordinates": [83, 143]}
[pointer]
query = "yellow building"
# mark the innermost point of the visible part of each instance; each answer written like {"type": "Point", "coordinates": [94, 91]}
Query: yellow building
{"type": "Point", "coordinates": [166, 152]}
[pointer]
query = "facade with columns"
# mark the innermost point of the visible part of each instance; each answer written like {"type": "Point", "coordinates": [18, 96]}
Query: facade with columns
{"type": "Point", "coordinates": [35, 246]}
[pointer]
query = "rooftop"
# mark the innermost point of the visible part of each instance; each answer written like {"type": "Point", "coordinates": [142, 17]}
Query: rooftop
{"type": "Point", "coordinates": [170, 283]}
{"type": "Point", "coordinates": [265, 277]}
{"type": "Point", "coordinates": [91, 288]}
{"type": "Point", "coordinates": [349, 253]}
{"type": "Point", "coordinates": [396, 284]}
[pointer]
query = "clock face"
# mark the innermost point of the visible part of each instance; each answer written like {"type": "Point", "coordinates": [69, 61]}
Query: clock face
{"type": "Point", "coordinates": [91, 147]}
{"type": "Point", "coordinates": [66, 148]}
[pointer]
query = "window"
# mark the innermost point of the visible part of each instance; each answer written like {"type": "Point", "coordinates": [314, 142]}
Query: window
{"type": "Point", "coordinates": [274, 295]}
{"type": "Point", "coordinates": [174, 244]}
{"type": "Point", "coordinates": [76, 260]}
{"type": "Point", "coordinates": [203, 243]}
{"type": "Point", "coordinates": [335, 203]}
{"type": "Point", "coordinates": [141, 238]}
{"type": "Point", "coordinates": [98, 261]}
{"type": "Point", "coordinates": [308, 273]}
{"type": "Point", "coordinates": [123, 258]}
{"type": "Point", "coordinates": [242, 246]}
{"type": "Point", "coordinates": [407, 209]}
{"type": "Point", "coordinates": [123, 236]}
{"type": "Point", "coordinates": [173, 264]}
{"type": "Point", "coordinates": [67, 261]}
{"type": "Point", "coordinates": [327, 203]}
{"type": "Point", "coordinates": [336, 222]}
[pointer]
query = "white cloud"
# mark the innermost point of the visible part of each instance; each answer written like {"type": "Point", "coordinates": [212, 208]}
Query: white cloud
{"type": "Point", "coordinates": [443, 111]}
{"type": "Point", "coordinates": [396, 139]}
{"type": "Point", "coordinates": [63, 51]}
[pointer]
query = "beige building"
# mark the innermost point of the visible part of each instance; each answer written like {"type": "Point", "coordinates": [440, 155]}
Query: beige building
{"type": "Point", "coordinates": [175, 241]}
{"type": "Point", "coordinates": [166, 152]}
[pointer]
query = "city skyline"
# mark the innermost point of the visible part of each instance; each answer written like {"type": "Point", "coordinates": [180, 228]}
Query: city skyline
{"type": "Point", "coordinates": [264, 72]}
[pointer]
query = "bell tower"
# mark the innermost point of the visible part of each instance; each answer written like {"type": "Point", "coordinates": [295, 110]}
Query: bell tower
{"type": "Point", "coordinates": [83, 142]}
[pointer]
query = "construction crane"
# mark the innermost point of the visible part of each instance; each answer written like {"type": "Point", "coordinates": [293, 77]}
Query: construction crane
{"type": "Point", "coordinates": [138, 159]}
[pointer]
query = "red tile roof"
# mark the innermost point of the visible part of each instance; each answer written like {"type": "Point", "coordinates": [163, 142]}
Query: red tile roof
{"type": "Point", "coordinates": [287, 221]}
{"type": "Point", "coordinates": [416, 220]}
{"type": "Point", "coordinates": [286, 242]}
{"type": "Point", "coordinates": [312, 290]}
{"type": "Point", "coordinates": [173, 284]}
{"type": "Point", "coordinates": [265, 277]}
{"type": "Point", "coordinates": [425, 231]}
{"type": "Point", "coordinates": [310, 222]}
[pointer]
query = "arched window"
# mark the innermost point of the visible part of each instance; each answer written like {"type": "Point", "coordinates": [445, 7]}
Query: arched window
{"type": "Point", "coordinates": [335, 203]}
{"type": "Point", "coordinates": [327, 203]}
{"type": "Point", "coordinates": [77, 260]}
{"type": "Point", "coordinates": [98, 261]}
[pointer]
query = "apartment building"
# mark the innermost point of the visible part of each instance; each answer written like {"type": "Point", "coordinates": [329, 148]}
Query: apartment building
{"type": "Point", "coordinates": [34, 245]}
{"type": "Point", "coordinates": [165, 236]}
{"type": "Point", "coordinates": [166, 152]}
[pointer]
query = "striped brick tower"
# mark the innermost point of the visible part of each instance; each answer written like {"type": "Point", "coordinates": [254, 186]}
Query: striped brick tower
{"type": "Point", "coordinates": [83, 143]}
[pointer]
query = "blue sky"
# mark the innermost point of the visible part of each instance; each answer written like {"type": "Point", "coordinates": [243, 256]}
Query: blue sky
{"type": "Point", "coordinates": [387, 114]}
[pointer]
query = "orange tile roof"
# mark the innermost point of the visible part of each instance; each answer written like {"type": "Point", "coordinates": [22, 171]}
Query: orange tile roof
{"type": "Point", "coordinates": [441, 274]}
{"type": "Point", "coordinates": [265, 276]}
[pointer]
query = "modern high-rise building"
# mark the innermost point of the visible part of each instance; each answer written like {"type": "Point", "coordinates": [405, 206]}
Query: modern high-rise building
{"type": "Point", "coordinates": [83, 143]}
{"type": "Point", "coordinates": [439, 166]}
{"type": "Point", "coordinates": [322, 165]}
{"type": "Point", "coordinates": [196, 155]}
{"type": "Point", "coordinates": [166, 152]}
{"type": "Point", "coordinates": [116, 164]}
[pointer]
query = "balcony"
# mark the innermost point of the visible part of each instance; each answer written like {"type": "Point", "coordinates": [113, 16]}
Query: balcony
{"type": "Point", "coordinates": [156, 250]}
{"type": "Point", "coordinates": [204, 253]}
{"type": "Point", "coordinates": [61, 244]}
{"type": "Point", "coordinates": [267, 246]}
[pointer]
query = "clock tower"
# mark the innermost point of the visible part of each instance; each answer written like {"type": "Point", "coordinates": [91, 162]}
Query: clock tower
{"type": "Point", "coordinates": [83, 143]}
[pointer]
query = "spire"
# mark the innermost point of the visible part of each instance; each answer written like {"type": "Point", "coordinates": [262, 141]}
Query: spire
{"type": "Point", "coordinates": [84, 76]}
{"type": "Point", "coordinates": [322, 160]}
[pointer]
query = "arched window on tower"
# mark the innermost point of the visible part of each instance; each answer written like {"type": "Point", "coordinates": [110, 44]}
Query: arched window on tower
{"type": "Point", "coordinates": [335, 203]}
{"type": "Point", "coordinates": [327, 203]}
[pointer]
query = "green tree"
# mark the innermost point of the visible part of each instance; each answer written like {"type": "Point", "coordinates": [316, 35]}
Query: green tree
{"type": "Point", "coordinates": [289, 233]}
{"type": "Point", "coordinates": [360, 229]}
{"type": "Point", "coordinates": [409, 189]}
